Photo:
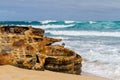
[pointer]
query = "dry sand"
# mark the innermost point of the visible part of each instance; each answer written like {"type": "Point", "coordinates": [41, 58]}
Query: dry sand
{"type": "Point", "coordinates": [8, 72]}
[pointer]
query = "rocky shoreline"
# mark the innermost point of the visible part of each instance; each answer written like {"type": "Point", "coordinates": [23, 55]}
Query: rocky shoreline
{"type": "Point", "coordinates": [27, 47]}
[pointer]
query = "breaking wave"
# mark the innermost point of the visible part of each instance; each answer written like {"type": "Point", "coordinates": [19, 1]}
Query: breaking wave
{"type": "Point", "coordinates": [84, 33]}
{"type": "Point", "coordinates": [52, 26]}
{"type": "Point", "coordinates": [47, 21]}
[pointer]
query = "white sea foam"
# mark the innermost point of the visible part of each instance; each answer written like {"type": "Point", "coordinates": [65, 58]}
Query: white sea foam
{"type": "Point", "coordinates": [108, 71]}
{"type": "Point", "coordinates": [84, 33]}
{"type": "Point", "coordinates": [47, 21]}
{"type": "Point", "coordinates": [67, 22]}
{"type": "Point", "coordinates": [91, 22]}
{"type": "Point", "coordinates": [52, 26]}
{"type": "Point", "coordinates": [49, 26]}
{"type": "Point", "coordinates": [98, 58]}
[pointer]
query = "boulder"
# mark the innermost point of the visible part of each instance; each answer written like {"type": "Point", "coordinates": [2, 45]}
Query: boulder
{"type": "Point", "coordinates": [27, 47]}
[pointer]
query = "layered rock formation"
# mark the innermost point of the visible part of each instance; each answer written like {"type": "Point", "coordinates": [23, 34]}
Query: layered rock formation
{"type": "Point", "coordinates": [27, 47]}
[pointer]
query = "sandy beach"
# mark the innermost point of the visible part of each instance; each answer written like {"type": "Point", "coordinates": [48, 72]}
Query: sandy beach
{"type": "Point", "coordinates": [8, 72]}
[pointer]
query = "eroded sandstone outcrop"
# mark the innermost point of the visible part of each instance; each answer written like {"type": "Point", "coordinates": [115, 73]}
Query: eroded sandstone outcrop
{"type": "Point", "coordinates": [27, 47]}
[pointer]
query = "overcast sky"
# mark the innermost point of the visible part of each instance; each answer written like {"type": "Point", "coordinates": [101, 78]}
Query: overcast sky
{"type": "Point", "coordinates": [59, 10]}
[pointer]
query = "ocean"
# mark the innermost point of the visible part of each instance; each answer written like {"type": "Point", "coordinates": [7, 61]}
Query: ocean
{"type": "Point", "coordinates": [98, 42]}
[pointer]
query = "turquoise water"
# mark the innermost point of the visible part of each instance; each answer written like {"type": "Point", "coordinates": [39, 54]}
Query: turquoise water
{"type": "Point", "coordinates": [98, 42]}
{"type": "Point", "coordinates": [73, 25]}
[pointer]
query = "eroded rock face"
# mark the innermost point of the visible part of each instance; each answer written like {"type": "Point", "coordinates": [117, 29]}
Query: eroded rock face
{"type": "Point", "coordinates": [27, 47]}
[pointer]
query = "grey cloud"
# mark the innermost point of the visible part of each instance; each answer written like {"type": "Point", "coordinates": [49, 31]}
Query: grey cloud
{"type": "Point", "coordinates": [7, 12]}
{"type": "Point", "coordinates": [60, 9]}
